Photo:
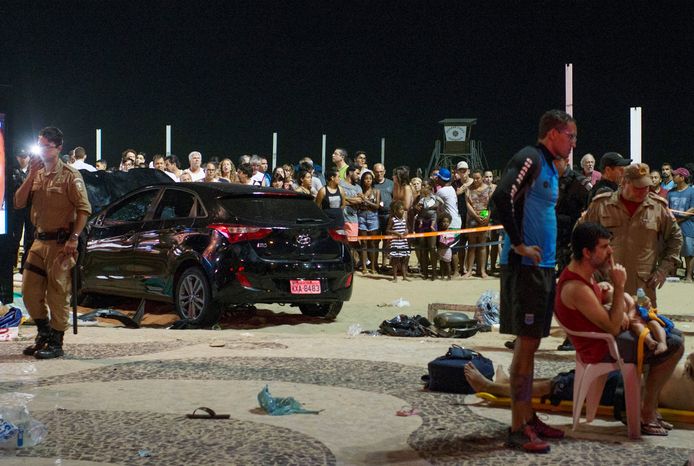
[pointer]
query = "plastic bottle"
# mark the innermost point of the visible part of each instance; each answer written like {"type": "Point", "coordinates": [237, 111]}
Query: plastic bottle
{"type": "Point", "coordinates": [641, 298]}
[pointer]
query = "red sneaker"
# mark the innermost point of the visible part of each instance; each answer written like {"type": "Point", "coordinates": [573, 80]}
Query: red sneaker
{"type": "Point", "coordinates": [527, 440]}
{"type": "Point", "coordinates": [543, 430]}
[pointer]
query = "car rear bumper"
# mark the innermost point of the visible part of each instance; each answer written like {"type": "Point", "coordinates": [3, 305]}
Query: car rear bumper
{"type": "Point", "coordinates": [269, 282]}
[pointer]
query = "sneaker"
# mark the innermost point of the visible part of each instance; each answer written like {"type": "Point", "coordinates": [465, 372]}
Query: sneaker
{"type": "Point", "coordinates": [510, 344]}
{"type": "Point", "coordinates": [527, 440]}
{"type": "Point", "coordinates": [543, 430]}
{"type": "Point", "coordinates": [566, 346]}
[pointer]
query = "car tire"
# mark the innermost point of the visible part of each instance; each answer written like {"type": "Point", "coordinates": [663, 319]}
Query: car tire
{"type": "Point", "coordinates": [193, 298]}
{"type": "Point", "coordinates": [328, 311]}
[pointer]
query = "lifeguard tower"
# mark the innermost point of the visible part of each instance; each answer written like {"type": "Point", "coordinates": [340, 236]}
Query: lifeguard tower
{"type": "Point", "coordinates": [457, 146]}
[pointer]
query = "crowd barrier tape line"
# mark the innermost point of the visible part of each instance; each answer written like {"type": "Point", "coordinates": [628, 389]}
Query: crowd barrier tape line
{"type": "Point", "coordinates": [456, 232]}
{"type": "Point", "coordinates": [427, 234]}
{"type": "Point", "coordinates": [685, 213]}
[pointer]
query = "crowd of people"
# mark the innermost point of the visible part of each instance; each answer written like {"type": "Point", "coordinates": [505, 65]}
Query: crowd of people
{"type": "Point", "coordinates": [447, 199]}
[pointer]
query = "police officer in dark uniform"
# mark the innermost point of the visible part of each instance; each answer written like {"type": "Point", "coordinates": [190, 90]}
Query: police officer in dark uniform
{"type": "Point", "coordinates": [20, 221]}
{"type": "Point", "coordinates": [59, 212]}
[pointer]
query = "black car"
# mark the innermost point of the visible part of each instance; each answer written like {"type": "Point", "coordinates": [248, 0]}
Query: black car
{"type": "Point", "coordinates": [208, 246]}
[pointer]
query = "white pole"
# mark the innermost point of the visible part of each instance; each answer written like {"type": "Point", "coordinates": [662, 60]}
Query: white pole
{"type": "Point", "coordinates": [383, 151]}
{"type": "Point", "coordinates": [569, 75]}
{"type": "Point", "coordinates": [98, 144]}
{"type": "Point", "coordinates": [274, 150]}
{"type": "Point", "coordinates": [635, 154]}
{"type": "Point", "coordinates": [325, 146]}
{"type": "Point", "coordinates": [168, 139]}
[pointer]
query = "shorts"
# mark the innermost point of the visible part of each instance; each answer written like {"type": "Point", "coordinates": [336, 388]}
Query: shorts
{"type": "Point", "coordinates": [368, 220]}
{"type": "Point", "coordinates": [351, 229]}
{"type": "Point", "coordinates": [687, 246]}
{"type": "Point", "coordinates": [628, 344]}
{"type": "Point", "coordinates": [527, 300]}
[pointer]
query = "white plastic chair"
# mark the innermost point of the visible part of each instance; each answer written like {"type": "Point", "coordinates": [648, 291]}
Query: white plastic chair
{"type": "Point", "coordinates": [590, 381]}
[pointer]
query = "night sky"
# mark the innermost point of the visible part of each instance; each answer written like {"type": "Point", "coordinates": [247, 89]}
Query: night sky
{"type": "Point", "coordinates": [228, 74]}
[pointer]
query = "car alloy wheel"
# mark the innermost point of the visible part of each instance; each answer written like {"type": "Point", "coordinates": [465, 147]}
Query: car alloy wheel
{"type": "Point", "coordinates": [193, 297]}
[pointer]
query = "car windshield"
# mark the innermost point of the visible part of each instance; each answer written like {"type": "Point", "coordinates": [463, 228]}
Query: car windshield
{"type": "Point", "coordinates": [270, 210]}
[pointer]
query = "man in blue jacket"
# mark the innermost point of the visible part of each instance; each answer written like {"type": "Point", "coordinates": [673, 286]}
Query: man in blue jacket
{"type": "Point", "coordinates": [525, 203]}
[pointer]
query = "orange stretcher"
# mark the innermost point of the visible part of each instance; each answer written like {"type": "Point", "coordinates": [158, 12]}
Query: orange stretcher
{"type": "Point", "coordinates": [671, 415]}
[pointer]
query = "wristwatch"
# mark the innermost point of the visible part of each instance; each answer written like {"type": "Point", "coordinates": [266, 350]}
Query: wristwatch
{"type": "Point", "coordinates": [74, 236]}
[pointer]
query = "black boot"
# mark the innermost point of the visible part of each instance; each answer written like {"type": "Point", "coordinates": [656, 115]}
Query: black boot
{"type": "Point", "coordinates": [41, 337]}
{"type": "Point", "coordinates": [54, 348]}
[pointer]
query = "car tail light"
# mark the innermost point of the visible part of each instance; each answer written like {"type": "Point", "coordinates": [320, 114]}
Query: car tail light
{"type": "Point", "coordinates": [348, 282]}
{"type": "Point", "coordinates": [238, 233]}
{"type": "Point", "coordinates": [338, 234]}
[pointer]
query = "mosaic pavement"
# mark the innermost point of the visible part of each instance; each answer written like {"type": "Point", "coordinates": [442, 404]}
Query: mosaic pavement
{"type": "Point", "coordinates": [450, 433]}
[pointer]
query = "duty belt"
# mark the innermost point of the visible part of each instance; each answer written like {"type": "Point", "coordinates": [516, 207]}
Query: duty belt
{"type": "Point", "coordinates": [59, 236]}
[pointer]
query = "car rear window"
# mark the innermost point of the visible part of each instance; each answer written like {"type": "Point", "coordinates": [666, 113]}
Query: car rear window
{"type": "Point", "coordinates": [272, 210]}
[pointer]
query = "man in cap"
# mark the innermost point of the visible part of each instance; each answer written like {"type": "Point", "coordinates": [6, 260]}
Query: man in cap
{"type": "Point", "coordinates": [646, 238]}
{"type": "Point", "coordinates": [681, 199]}
{"type": "Point", "coordinates": [612, 165]}
{"type": "Point", "coordinates": [21, 222]}
{"type": "Point", "coordinates": [447, 193]}
{"type": "Point", "coordinates": [525, 201]}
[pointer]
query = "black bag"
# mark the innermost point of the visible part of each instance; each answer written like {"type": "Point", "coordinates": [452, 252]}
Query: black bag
{"type": "Point", "coordinates": [447, 373]}
{"type": "Point", "coordinates": [563, 390]}
{"type": "Point", "coordinates": [404, 326]}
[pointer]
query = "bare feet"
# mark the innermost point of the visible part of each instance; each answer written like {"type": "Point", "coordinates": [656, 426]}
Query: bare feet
{"type": "Point", "coordinates": [660, 348]}
{"type": "Point", "coordinates": [500, 375]}
{"type": "Point", "coordinates": [483, 275]}
{"type": "Point", "coordinates": [475, 378]}
{"type": "Point", "coordinates": [466, 276]}
{"type": "Point", "coordinates": [405, 279]}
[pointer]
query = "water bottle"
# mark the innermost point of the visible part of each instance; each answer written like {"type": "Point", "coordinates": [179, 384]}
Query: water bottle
{"type": "Point", "coordinates": [641, 298]}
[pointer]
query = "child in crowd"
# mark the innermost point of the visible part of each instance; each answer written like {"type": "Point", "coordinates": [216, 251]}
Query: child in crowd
{"type": "Point", "coordinates": [641, 317]}
{"type": "Point", "coordinates": [425, 221]}
{"type": "Point", "coordinates": [399, 248]}
{"type": "Point", "coordinates": [444, 245]}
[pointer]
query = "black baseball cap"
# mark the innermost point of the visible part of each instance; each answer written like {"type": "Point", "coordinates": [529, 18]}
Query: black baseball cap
{"type": "Point", "coordinates": [613, 159]}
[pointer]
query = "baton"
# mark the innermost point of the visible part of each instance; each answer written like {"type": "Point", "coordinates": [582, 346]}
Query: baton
{"type": "Point", "coordinates": [74, 295]}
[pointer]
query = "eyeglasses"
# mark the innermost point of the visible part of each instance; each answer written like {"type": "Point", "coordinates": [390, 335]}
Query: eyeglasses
{"type": "Point", "coordinates": [47, 146]}
{"type": "Point", "coordinates": [572, 136]}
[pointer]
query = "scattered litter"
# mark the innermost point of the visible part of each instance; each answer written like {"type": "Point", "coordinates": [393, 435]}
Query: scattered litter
{"type": "Point", "coordinates": [217, 344]}
{"type": "Point", "coordinates": [17, 428]}
{"type": "Point", "coordinates": [407, 411]}
{"type": "Point", "coordinates": [397, 303]}
{"type": "Point", "coordinates": [672, 279]}
{"type": "Point", "coordinates": [9, 324]}
{"type": "Point", "coordinates": [354, 330]}
{"type": "Point", "coordinates": [144, 453]}
{"type": "Point", "coordinates": [488, 308]}
{"type": "Point", "coordinates": [276, 406]}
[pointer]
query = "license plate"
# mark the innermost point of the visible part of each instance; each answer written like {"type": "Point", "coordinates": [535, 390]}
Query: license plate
{"type": "Point", "coordinates": [304, 286]}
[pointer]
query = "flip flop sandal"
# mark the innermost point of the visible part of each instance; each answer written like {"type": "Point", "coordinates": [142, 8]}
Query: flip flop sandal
{"type": "Point", "coordinates": [209, 414]}
{"type": "Point", "coordinates": [653, 428]}
{"type": "Point", "coordinates": [663, 423]}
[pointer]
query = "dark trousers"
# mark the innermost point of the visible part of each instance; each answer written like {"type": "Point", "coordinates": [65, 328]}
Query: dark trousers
{"type": "Point", "coordinates": [21, 223]}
